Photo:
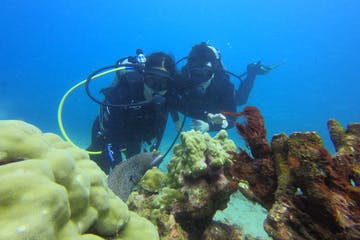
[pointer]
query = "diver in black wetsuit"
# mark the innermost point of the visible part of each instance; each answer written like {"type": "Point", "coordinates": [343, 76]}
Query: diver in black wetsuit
{"type": "Point", "coordinates": [205, 89]}
{"type": "Point", "coordinates": [125, 129]}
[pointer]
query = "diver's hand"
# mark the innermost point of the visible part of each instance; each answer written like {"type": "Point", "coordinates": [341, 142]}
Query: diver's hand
{"type": "Point", "coordinates": [257, 69]}
{"type": "Point", "coordinates": [199, 125]}
{"type": "Point", "coordinates": [218, 119]}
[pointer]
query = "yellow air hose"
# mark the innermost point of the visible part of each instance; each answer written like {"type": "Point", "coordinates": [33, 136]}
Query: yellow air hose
{"type": "Point", "coordinates": [61, 104]}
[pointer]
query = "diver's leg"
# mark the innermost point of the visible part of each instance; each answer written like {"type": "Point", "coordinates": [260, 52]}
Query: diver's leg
{"type": "Point", "coordinates": [102, 161]}
{"type": "Point", "coordinates": [132, 149]}
{"type": "Point", "coordinates": [98, 144]}
{"type": "Point", "coordinates": [97, 140]}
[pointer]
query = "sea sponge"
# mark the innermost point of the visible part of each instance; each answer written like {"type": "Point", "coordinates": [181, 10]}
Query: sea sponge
{"type": "Point", "coordinates": [52, 190]}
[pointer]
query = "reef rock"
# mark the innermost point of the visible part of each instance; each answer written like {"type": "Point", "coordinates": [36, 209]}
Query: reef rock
{"type": "Point", "coordinates": [222, 231]}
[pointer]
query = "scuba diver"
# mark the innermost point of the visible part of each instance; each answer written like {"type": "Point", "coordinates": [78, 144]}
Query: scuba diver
{"type": "Point", "coordinates": [134, 111]}
{"type": "Point", "coordinates": [206, 91]}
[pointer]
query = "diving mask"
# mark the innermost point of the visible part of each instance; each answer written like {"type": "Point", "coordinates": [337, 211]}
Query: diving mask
{"type": "Point", "coordinates": [157, 79]}
{"type": "Point", "coordinates": [201, 73]}
{"type": "Point", "coordinates": [156, 83]}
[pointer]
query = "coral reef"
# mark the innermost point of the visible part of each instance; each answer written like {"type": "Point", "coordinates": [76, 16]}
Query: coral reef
{"type": "Point", "coordinates": [51, 190]}
{"type": "Point", "coordinates": [183, 202]}
{"type": "Point", "coordinates": [309, 193]}
{"type": "Point", "coordinates": [222, 231]}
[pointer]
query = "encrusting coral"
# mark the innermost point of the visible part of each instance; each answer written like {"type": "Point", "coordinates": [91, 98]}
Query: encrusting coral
{"type": "Point", "coordinates": [310, 194]}
{"type": "Point", "coordinates": [52, 190]}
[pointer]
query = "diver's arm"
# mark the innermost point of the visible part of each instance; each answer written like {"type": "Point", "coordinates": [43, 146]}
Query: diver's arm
{"type": "Point", "coordinates": [242, 94]}
{"type": "Point", "coordinates": [253, 69]}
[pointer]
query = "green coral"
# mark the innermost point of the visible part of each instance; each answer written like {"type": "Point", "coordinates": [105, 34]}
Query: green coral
{"type": "Point", "coordinates": [197, 156]}
{"type": "Point", "coordinates": [153, 180]}
{"type": "Point", "coordinates": [52, 190]}
{"type": "Point", "coordinates": [196, 152]}
{"type": "Point", "coordinates": [166, 197]}
{"type": "Point", "coordinates": [188, 157]}
{"type": "Point", "coordinates": [155, 207]}
{"type": "Point", "coordinates": [226, 144]}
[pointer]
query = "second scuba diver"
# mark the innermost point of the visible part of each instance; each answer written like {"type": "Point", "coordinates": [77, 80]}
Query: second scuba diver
{"type": "Point", "coordinates": [205, 89]}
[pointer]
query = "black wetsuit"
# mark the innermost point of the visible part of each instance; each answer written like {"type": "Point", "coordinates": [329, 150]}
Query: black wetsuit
{"type": "Point", "coordinates": [242, 94]}
{"type": "Point", "coordinates": [219, 97]}
{"type": "Point", "coordinates": [127, 128]}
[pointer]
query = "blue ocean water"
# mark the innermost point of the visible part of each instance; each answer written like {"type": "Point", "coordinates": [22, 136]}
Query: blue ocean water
{"type": "Point", "coordinates": [46, 47]}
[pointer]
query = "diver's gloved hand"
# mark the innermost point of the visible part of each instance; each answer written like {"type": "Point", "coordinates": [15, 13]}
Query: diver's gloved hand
{"type": "Point", "coordinates": [199, 125]}
{"type": "Point", "coordinates": [257, 69]}
{"type": "Point", "coordinates": [218, 119]}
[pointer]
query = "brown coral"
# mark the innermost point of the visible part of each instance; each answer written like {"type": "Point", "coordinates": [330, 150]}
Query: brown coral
{"type": "Point", "coordinates": [319, 201]}
{"type": "Point", "coordinates": [259, 170]}
{"type": "Point", "coordinates": [310, 194]}
{"type": "Point", "coordinates": [254, 132]}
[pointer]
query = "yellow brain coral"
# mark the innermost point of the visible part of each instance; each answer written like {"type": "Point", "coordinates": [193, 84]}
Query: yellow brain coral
{"type": "Point", "coordinates": [51, 190]}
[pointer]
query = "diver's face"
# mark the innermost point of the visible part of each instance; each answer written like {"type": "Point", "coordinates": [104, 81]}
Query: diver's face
{"type": "Point", "coordinates": [202, 73]}
{"type": "Point", "coordinates": [149, 93]}
{"type": "Point", "coordinates": [201, 76]}
{"type": "Point", "coordinates": [156, 83]}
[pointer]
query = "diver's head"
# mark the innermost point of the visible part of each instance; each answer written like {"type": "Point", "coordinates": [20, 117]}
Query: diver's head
{"type": "Point", "coordinates": [139, 51]}
{"type": "Point", "coordinates": [158, 72]}
{"type": "Point", "coordinates": [202, 63]}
